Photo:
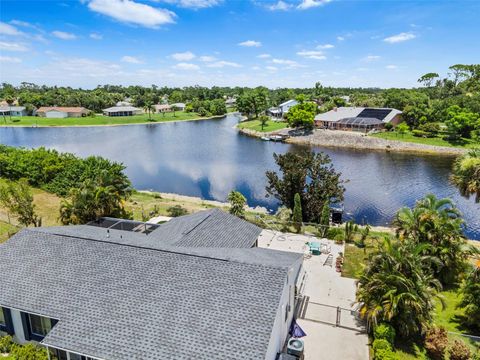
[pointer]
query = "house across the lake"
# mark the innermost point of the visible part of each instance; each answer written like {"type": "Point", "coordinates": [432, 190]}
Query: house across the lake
{"type": "Point", "coordinates": [122, 111]}
{"type": "Point", "coordinates": [162, 108]}
{"type": "Point", "coordinates": [358, 118]}
{"type": "Point", "coordinates": [13, 110]}
{"type": "Point", "coordinates": [281, 110]}
{"type": "Point", "coordinates": [178, 106]}
{"type": "Point", "coordinates": [61, 112]}
{"type": "Point", "coordinates": [195, 287]}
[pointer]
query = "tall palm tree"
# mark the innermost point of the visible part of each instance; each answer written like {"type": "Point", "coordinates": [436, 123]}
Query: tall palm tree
{"type": "Point", "coordinates": [397, 287]}
{"type": "Point", "coordinates": [149, 108]}
{"type": "Point", "coordinates": [466, 174]}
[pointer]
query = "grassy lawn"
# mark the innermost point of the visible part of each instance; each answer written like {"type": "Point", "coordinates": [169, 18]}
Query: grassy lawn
{"type": "Point", "coordinates": [438, 141]}
{"type": "Point", "coordinates": [255, 125]}
{"type": "Point", "coordinates": [98, 120]}
{"type": "Point", "coordinates": [6, 230]}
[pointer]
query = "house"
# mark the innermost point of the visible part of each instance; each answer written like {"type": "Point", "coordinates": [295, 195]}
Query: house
{"type": "Point", "coordinates": [281, 110]}
{"type": "Point", "coordinates": [230, 102]}
{"type": "Point", "coordinates": [358, 118]}
{"type": "Point", "coordinates": [162, 108]}
{"type": "Point", "coordinates": [61, 112]}
{"type": "Point", "coordinates": [122, 111]}
{"type": "Point", "coordinates": [178, 106]}
{"type": "Point", "coordinates": [196, 287]}
{"type": "Point", "coordinates": [13, 111]}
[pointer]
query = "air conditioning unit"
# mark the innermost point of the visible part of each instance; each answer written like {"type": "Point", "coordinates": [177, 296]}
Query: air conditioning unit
{"type": "Point", "coordinates": [295, 347]}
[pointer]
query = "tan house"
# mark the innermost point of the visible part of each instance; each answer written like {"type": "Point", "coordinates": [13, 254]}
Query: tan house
{"type": "Point", "coordinates": [61, 112]}
{"type": "Point", "coordinates": [162, 108]}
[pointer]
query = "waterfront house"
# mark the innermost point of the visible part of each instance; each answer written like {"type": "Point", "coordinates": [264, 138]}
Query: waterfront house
{"type": "Point", "coordinates": [178, 106]}
{"type": "Point", "coordinates": [162, 108]}
{"type": "Point", "coordinates": [230, 102]}
{"type": "Point", "coordinates": [122, 111]}
{"type": "Point", "coordinates": [7, 110]}
{"type": "Point", "coordinates": [281, 110]}
{"type": "Point", "coordinates": [358, 118]}
{"type": "Point", "coordinates": [61, 112]}
{"type": "Point", "coordinates": [195, 287]}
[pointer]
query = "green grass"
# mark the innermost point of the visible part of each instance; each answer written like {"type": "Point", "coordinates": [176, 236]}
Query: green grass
{"type": "Point", "coordinates": [437, 141]}
{"type": "Point", "coordinates": [98, 120]}
{"type": "Point", "coordinates": [6, 230]}
{"type": "Point", "coordinates": [255, 125]}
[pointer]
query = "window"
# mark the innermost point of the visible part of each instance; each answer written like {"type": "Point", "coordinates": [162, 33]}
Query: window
{"type": "Point", "coordinates": [6, 324]}
{"type": "Point", "coordinates": [36, 327]}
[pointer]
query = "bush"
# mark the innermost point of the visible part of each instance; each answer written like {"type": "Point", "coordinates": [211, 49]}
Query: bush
{"type": "Point", "coordinates": [385, 354]}
{"type": "Point", "coordinates": [381, 344]}
{"type": "Point", "coordinates": [476, 356]}
{"type": "Point", "coordinates": [176, 211]}
{"type": "Point", "coordinates": [432, 128]}
{"type": "Point", "coordinates": [421, 133]}
{"type": "Point", "coordinates": [29, 352]}
{"type": "Point", "coordinates": [436, 342]}
{"type": "Point", "coordinates": [6, 343]}
{"type": "Point", "coordinates": [386, 332]}
{"type": "Point", "coordinates": [459, 351]}
{"type": "Point", "coordinates": [388, 126]}
{"type": "Point", "coordinates": [334, 233]}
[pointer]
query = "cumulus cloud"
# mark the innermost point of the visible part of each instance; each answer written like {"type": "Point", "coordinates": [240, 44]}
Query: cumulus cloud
{"type": "Point", "coordinates": [288, 63]}
{"type": "Point", "coordinates": [312, 54]}
{"type": "Point", "coordinates": [271, 68]}
{"type": "Point", "coordinates": [221, 64]}
{"type": "Point", "coordinates": [404, 36]}
{"type": "Point", "coordinates": [64, 35]}
{"type": "Point", "coordinates": [194, 4]}
{"type": "Point", "coordinates": [96, 36]}
{"type": "Point", "coordinates": [340, 38]}
{"type": "Point", "coordinates": [9, 59]}
{"type": "Point", "coordinates": [12, 46]}
{"type": "Point", "coordinates": [391, 67]}
{"type": "Point", "coordinates": [6, 29]}
{"type": "Point", "coordinates": [264, 56]}
{"type": "Point", "coordinates": [131, 12]}
{"type": "Point", "coordinates": [131, 60]}
{"type": "Point", "coordinates": [183, 56]}
{"type": "Point", "coordinates": [325, 46]}
{"type": "Point", "coordinates": [250, 43]}
{"type": "Point", "coordinates": [280, 6]}
{"type": "Point", "coordinates": [186, 66]}
{"type": "Point", "coordinates": [308, 4]}
{"type": "Point", "coordinates": [206, 58]}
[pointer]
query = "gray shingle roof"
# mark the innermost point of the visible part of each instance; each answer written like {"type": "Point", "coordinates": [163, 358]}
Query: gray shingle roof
{"type": "Point", "coordinates": [128, 301]}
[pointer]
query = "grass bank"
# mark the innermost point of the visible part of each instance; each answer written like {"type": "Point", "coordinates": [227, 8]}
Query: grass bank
{"type": "Point", "coordinates": [257, 126]}
{"type": "Point", "coordinates": [435, 141]}
{"type": "Point", "coordinates": [99, 120]}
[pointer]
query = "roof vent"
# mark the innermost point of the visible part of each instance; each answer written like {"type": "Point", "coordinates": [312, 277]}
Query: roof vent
{"type": "Point", "coordinates": [295, 347]}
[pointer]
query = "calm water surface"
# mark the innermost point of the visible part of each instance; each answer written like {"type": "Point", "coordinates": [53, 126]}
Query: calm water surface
{"type": "Point", "coordinates": [209, 158]}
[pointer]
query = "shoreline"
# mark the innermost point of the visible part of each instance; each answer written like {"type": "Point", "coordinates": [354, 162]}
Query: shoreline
{"type": "Point", "coordinates": [111, 125]}
{"type": "Point", "coordinates": [358, 141]}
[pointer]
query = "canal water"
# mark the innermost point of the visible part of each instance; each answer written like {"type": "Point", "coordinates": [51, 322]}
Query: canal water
{"type": "Point", "coordinates": [210, 158]}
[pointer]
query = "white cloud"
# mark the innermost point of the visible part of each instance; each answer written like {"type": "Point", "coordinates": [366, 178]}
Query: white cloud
{"type": "Point", "coordinates": [131, 60]}
{"type": "Point", "coordinates": [280, 6]}
{"type": "Point", "coordinates": [207, 58]}
{"type": "Point", "coordinates": [340, 38]}
{"type": "Point", "coordinates": [325, 46]}
{"type": "Point", "coordinates": [288, 63]}
{"type": "Point", "coordinates": [371, 58]}
{"type": "Point", "coordinates": [271, 68]}
{"type": "Point", "coordinates": [391, 67]}
{"type": "Point", "coordinates": [185, 56]}
{"type": "Point", "coordinates": [64, 35]}
{"type": "Point", "coordinates": [131, 12]}
{"type": "Point", "coordinates": [255, 67]}
{"type": "Point", "coordinates": [404, 36]}
{"type": "Point", "coordinates": [9, 59]}
{"type": "Point", "coordinates": [96, 36]}
{"type": "Point", "coordinates": [194, 4]}
{"type": "Point", "coordinates": [251, 43]}
{"type": "Point", "coordinates": [313, 54]}
{"type": "Point", "coordinates": [186, 66]}
{"type": "Point", "coordinates": [264, 56]}
{"type": "Point", "coordinates": [221, 64]}
{"type": "Point", "coordinates": [10, 46]}
{"type": "Point", "coordinates": [6, 29]}
{"type": "Point", "coordinates": [307, 4]}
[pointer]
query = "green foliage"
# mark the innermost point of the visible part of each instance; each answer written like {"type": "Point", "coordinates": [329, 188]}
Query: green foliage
{"type": "Point", "coordinates": [325, 220]}
{"type": "Point", "coordinates": [432, 128]}
{"type": "Point", "coordinates": [309, 174]}
{"type": "Point", "coordinates": [29, 352]}
{"type": "Point", "coordinates": [350, 230]}
{"type": "Point", "coordinates": [470, 291]}
{"type": "Point", "coordinates": [17, 198]}
{"type": "Point", "coordinates": [302, 115]}
{"type": "Point", "coordinates": [207, 107]}
{"type": "Point", "coordinates": [466, 174]}
{"type": "Point", "coordinates": [459, 351]}
{"type": "Point", "coordinates": [402, 128]}
{"type": "Point", "coordinates": [335, 233]}
{"type": "Point", "coordinates": [381, 344]}
{"type": "Point", "coordinates": [253, 102]}
{"type": "Point", "coordinates": [297, 212]}
{"type": "Point", "coordinates": [461, 122]}
{"type": "Point", "coordinates": [237, 203]}
{"type": "Point", "coordinates": [421, 133]}
{"type": "Point", "coordinates": [6, 343]}
{"type": "Point", "coordinates": [384, 331]}
{"type": "Point", "coordinates": [263, 120]}
{"type": "Point", "coordinates": [176, 211]}
{"type": "Point", "coordinates": [388, 126]}
{"type": "Point", "coordinates": [382, 350]}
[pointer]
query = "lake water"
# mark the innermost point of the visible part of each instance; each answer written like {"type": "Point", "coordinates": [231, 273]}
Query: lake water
{"type": "Point", "coordinates": [209, 158]}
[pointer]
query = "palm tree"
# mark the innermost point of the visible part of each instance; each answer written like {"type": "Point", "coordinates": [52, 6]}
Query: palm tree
{"type": "Point", "coordinates": [148, 108]}
{"type": "Point", "coordinates": [397, 287]}
{"type": "Point", "coordinates": [466, 174]}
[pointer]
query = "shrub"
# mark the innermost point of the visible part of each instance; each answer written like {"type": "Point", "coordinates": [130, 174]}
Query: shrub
{"type": "Point", "coordinates": [381, 344]}
{"type": "Point", "coordinates": [476, 356]}
{"type": "Point", "coordinates": [176, 211]}
{"type": "Point", "coordinates": [6, 343]}
{"type": "Point", "coordinates": [388, 126]}
{"type": "Point", "coordinates": [436, 342]}
{"type": "Point", "coordinates": [385, 354]}
{"type": "Point", "coordinates": [431, 128]}
{"type": "Point", "coordinates": [421, 133]}
{"type": "Point", "coordinates": [386, 332]}
{"type": "Point", "coordinates": [459, 351]}
{"type": "Point", "coordinates": [335, 232]}
{"type": "Point", "coordinates": [29, 352]}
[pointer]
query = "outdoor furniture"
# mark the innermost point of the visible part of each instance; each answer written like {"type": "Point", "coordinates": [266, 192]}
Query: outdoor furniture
{"type": "Point", "coordinates": [314, 247]}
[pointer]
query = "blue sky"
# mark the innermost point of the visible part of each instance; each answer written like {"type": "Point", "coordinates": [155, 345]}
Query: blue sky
{"type": "Point", "coordinates": [284, 43]}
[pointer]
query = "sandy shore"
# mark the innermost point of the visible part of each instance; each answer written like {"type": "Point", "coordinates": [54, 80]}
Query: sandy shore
{"type": "Point", "coordinates": [358, 141]}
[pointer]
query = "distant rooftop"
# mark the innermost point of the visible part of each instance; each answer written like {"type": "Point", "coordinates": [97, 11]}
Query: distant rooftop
{"type": "Point", "coordinates": [347, 112]}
